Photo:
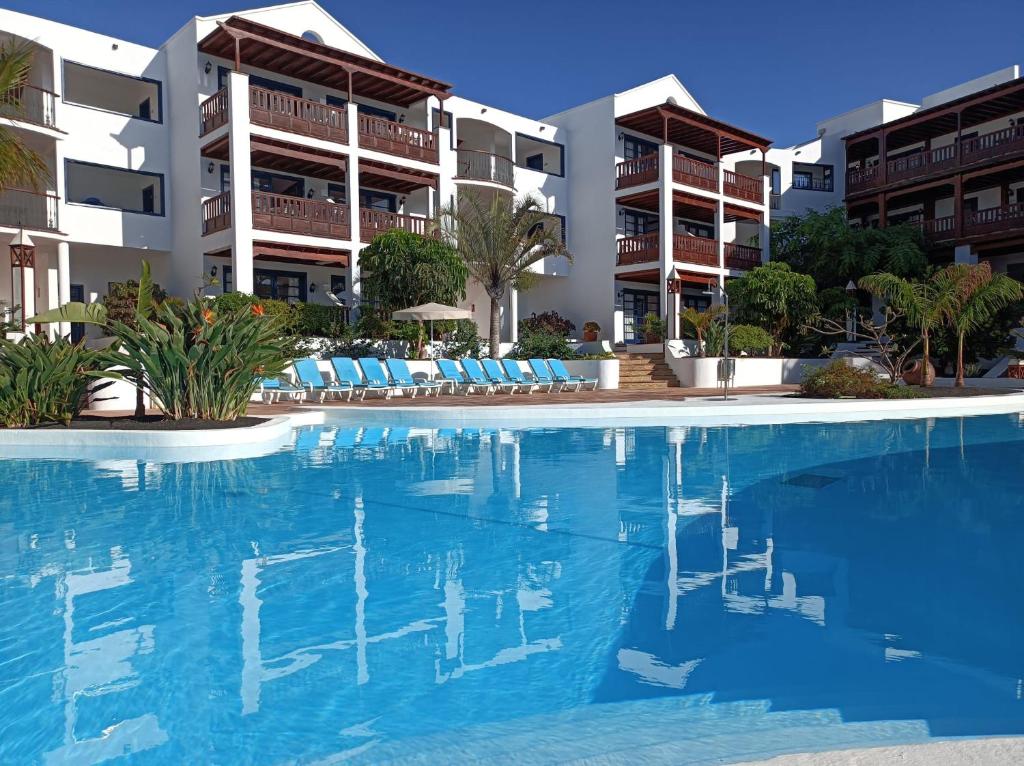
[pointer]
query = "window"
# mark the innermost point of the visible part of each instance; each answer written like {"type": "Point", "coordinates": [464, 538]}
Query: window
{"type": "Point", "coordinates": [812, 177]}
{"type": "Point", "coordinates": [287, 286]}
{"type": "Point", "coordinates": [538, 154]}
{"type": "Point", "coordinates": [636, 223]}
{"type": "Point", "coordinates": [225, 178]}
{"type": "Point", "coordinates": [971, 205]}
{"type": "Point", "coordinates": [555, 217]}
{"type": "Point", "coordinates": [289, 186]}
{"type": "Point", "coordinates": [802, 180]}
{"type": "Point", "coordinates": [337, 192]}
{"type": "Point", "coordinates": [776, 182]}
{"type": "Point", "coordinates": [1015, 270]}
{"type": "Point", "coordinates": [376, 111]}
{"type": "Point", "coordinates": [337, 283]}
{"type": "Point", "coordinates": [535, 162]}
{"type": "Point", "coordinates": [138, 97]}
{"type": "Point", "coordinates": [310, 36]}
{"type": "Point", "coordinates": [698, 229]}
{"type": "Point", "coordinates": [374, 200]}
{"type": "Point", "coordinates": [132, 191]}
{"type": "Point", "coordinates": [699, 302]}
{"type": "Point", "coordinates": [260, 82]}
{"type": "Point", "coordinates": [633, 147]}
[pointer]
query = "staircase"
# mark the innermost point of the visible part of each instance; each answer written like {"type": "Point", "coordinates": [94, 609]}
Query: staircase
{"type": "Point", "coordinates": [639, 372]}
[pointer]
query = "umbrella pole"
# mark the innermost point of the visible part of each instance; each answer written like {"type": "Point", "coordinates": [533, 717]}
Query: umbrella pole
{"type": "Point", "coordinates": [431, 341]}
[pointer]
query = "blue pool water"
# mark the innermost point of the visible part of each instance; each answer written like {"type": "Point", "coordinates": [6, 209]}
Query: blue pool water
{"type": "Point", "coordinates": [685, 595]}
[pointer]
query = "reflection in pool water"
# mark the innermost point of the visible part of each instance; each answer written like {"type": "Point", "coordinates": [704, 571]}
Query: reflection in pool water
{"type": "Point", "coordinates": [692, 595]}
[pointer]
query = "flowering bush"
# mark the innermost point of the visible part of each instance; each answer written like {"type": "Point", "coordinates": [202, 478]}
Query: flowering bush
{"type": "Point", "coordinates": [550, 322]}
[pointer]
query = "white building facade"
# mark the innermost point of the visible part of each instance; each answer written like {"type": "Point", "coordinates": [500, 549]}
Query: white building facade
{"type": "Point", "coordinates": [146, 147]}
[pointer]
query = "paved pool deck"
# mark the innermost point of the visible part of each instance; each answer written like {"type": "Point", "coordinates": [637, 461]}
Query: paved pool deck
{"type": "Point", "coordinates": [994, 751]}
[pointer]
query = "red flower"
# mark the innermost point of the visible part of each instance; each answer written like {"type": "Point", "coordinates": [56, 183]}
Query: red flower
{"type": "Point", "coordinates": [258, 310]}
{"type": "Point", "coordinates": [207, 316]}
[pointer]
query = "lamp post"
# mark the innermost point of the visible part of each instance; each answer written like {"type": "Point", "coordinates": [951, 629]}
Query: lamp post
{"type": "Point", "coordinates": [23, 256]}
{"type": "Point", "coordinates": [726, 368]}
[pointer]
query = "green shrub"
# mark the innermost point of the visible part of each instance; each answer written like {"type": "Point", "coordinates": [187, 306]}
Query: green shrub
{"type": "Point", "coordinates": [550, 322]}
{"type": "Point", "coordinates": [202, 364]}
{"type": "Point", "coordinates": [122, 298]}
{"type": "Point", "coordinates": [714, 339]}
{"type": "Point", "coordinates": [44, 382]}
{"type": "Point", "coordinates": [841, 380]}
{"type": "Point", "coordinates": [463, 339]}
{"type": "Point", "coordinates": [316, 320]}
{"type": "Point", "coordinates": [541, 345]}
{"type": "Point", "coordinates": [746, 338]}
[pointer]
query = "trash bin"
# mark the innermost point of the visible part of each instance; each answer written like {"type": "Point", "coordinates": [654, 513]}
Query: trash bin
{"type": "Point", "coordinates": [726, 370]}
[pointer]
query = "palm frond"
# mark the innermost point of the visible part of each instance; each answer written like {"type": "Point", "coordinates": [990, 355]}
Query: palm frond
{"type": "Point", "coordinates": [19, 164]}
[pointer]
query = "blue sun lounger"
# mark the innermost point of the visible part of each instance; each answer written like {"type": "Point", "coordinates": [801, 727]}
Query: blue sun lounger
{"type": "Point", "coordinates": [348, 375]}
{"type": "Point", "coordinates": [400, 374]}
{"type": "Point", "coordinates": [497, 375]}
{"type": "Point", "coordinates": [312, 380]}
{"type": "Point", "coordinates": [562, 375]}
{"type": "Point", "coordinates": [515, 374]}
{"type": "Point", "coordinates": [543, 375]}
{"type": "Point", "coordinates": [377, 376]}
{"type": "Point", "coordinates": [272, 389]}
{"type": "Point", "coordinates": [476, 375]}
{"type": "Point", "coordinates": [451, 374]}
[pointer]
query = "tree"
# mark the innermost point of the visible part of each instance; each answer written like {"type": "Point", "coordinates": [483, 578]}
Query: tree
{"type": "Point", "coordinates": [698, 322]}
{"type": "Point", "coordinates": [406, 269]}
{"type": "Point", "coordinates": [776, 298]}
{"type": "Point", "coordinates": [825, 246]}
{"type": "Point", "coordinates": [924, 304]}
{"type": "Point", "coordinates": [499, 242]}
{"type": "Point", "coordinates": [19, 164]}
{"type": "Point", "coordinates": [978, 295]}
{"type": "Point", "coordinates": [891, 349]}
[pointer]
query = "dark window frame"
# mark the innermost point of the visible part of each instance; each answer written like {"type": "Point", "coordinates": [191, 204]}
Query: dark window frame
{"type": "Point", "coordinates": [68, 162]}
{"type": "Point", "coordinates": [150, 80]}
{"type": "Point", "coordinates": [266, 83]}
{"type": "Point", "coordinates": [650, 220]}
{"type": "Point", "coordinates": [303, 287]}
{"type": "Point", "coordinates": [636, 142]}
{"type": "Point", "coordinates": [561, 154]}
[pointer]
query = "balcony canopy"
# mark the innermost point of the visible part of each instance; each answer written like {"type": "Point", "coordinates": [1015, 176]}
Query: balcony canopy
{"type": "Point", "coordinates": [246, 42]}
{"type": "Point", "coordinates": [685, 127]}
{"type": "Point", "coordinates": [973, 109]}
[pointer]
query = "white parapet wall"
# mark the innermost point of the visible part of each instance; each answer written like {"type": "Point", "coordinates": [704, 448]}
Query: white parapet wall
{"type": "Point", "coordinates": [702, 372]}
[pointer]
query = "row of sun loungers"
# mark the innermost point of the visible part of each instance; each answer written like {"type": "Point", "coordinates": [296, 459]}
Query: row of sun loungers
{"type": "Point", "coordinates": [350, 379]}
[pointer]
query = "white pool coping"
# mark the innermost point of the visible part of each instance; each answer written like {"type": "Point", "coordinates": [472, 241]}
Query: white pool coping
{"type": "Point", "coordinates": [750, 409]}
{"type": "Point", "coordinates": [986, 751]}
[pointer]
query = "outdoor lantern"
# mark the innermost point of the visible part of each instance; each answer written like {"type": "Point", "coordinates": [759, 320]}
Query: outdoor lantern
{"type": "Point", "coordinates": [23, 256]}
{"type": "Point", "coordinates": [312, 287]}
{"type": "Point", "coordinates": [213, 270]}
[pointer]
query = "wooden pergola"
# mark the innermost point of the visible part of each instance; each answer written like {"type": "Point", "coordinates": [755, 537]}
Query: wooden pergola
{"type": "Point", "coordinates": [674, 124]}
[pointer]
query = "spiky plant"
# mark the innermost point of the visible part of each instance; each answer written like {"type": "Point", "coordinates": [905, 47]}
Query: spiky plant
{"type": "Point", "coordinates": [19, 164]}
{"type": "Point", "coordinates": [499, 242]}
{"type": "Point", "coordinates": [698, 322]}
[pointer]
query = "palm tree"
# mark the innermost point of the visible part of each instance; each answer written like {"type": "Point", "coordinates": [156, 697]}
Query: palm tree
{"type": "Point", "coordinates": [499, 242]}
{"type": "Point", "coordinates": [699, 321]}
{"type": "Point", "coordinates": [979, 295]}
{"type": "Point", "coordinates": [924, 304]}
{"type": "Point", "coordinates": [19, 165]}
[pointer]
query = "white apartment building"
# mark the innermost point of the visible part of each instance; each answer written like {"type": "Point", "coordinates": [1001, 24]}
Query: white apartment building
{"type": "Point", "coordinates": [656, 200]}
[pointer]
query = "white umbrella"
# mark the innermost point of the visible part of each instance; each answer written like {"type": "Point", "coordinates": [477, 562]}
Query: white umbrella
{"type": "Point", "coordinates": [428, 312]}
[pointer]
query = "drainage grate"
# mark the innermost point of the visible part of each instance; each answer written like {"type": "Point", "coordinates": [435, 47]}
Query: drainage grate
{"type": "Point", "coordinates": [811, 480]}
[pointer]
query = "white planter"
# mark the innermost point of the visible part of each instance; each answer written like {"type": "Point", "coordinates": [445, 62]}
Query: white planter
{"type": "Point", "coordinates": [119, 395]}
{"type": "Point", "coordinates": [605, 370]}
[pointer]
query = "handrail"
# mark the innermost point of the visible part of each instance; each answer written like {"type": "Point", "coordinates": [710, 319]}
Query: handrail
{"type": "Point", "coordinates": [642, 248]}
{"type": "Point", "coordinates": [739, 256]}
{"type": "Point", "coordinates": [479, 165]}
{"type": "Point", "coordinates": [298, 115]}
{"type": "Point", "coordinates": [636, 171]}
{"type": "Point", "coordinates": [28, 208]}
{"type": "Point", "coordinates": [217, 213]}
{"type": "Point", "coordinates": [743, 186]}
{"type": "Point", "coordinates": [213, 112]}
{"type": "Point", "coordinates": [686, 170]}
{"type": "Point", "coordinates": [702, 250]}
{"type": "Point", "coordinates": [298, 215]}
{"type": "Point", "coordinates": [374, 222]}
{"type": "Point", "coordinates": [994, 218]}
{"type": "Point", "coordinates": [30, 103]}
{"type": "Point", "coordinates": [397, 138]}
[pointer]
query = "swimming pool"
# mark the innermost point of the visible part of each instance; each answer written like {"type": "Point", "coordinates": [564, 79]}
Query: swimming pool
{"type": "Point", "coordinates": [677, 594]}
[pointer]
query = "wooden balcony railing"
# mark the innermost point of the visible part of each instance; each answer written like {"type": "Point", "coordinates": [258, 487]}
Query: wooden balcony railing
{"type": "Point", "coordinates": [636, 171]}
{"type": "Point", "coordinates": [743, 187]}
{"type": "Point", "coordinates": [690, 249]}
{"type": "Point", "coordinates": [396, 138]}
{"type": "Point", "coordinates": [374, 222]}
{"type": "Point", "coordinates": [937, 229]}
{"type": "Point", "coordinates": [477, 165]}
{"type": "Point", "coordinates": [298, 115]}
{"type": "Point", "coordinates": [217, 213]}
{"type": "Point", "coordinates": [997, 144]}
{"type": "Point", "coordinates": [33, 210]}
{"type": "Point", "coordinates": [639, 249]}
{"type": "Point", "coordinates": [742, 257]}
{"type": "Point", "coordinates": [703, 175]}
{"type": "Point", "coordinates": [213, 112]}
{"type": "Point", "coordinates": [775, 201]}
{"type": "Point", "coordinates": [298, 215]}
{"type": "Point", "coordinates": [994, 219]}
{"type": "Point", "coordinates": [29, 103]}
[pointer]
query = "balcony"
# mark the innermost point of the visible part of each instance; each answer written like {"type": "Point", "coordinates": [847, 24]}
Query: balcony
{"type": "Point", "coordinates": [396, 138]}
{"type": "Point", "coordinates": [703, 175]}
{"type": "Point", "coordinates": [639, 249]}
{"type": "Point", "coordinates": [636, 171]}
{"type": "Point", "coordinates": [994, 220]}
{"type": "Point", "coordinates": [33, 210]}
{"type": "Point", "coordinates": [302, 116]}
{"type": "Point", "coordinates": [741, 257]}
{"type": "Point", "coordinates": [29, 104]}
{"type": "Point", "coordinates": [920, 165]}
{"type": "Point", "coordinates": [689, 249]}
{"type": "Point", "coordinates": [213, 112]}
{"type": "Point", "coordinates": [475, 165]}
{"type": "Point", "coordinates": [743, 187]}
{"type": "Point", "coordinates": [937, 229]}
{"type": "Point", "coordinates": [374, 222]}
{"type": "Point", "coordinates": [277, 212]}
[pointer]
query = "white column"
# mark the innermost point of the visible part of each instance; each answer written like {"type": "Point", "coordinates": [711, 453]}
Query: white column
{"type": "Point", "coordinates": [28, 307]}
{"type": "Point", "coordinates": [513, 315]}
{"type": "Point", "coordinates": [64, 282]}
{"type": "Point", "coordinates": [720, 221]}
{"type": "Point", "coordinates": [765, 236]}
{"type": "Point", "coordinates": [963, 254]}
{"type": "Point", "coordinates": [241, 183]}
{"type": "Point", "coordinates": [666, 229]}
{"type": "Point", "coordinates": [355, 287]}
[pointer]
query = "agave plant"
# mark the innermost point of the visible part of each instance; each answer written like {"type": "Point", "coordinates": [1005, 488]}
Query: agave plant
{"type": "Point", "coordinates": [43, 381]}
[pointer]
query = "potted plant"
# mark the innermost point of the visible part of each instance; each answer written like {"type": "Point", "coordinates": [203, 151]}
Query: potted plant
{"type": "Point", "coordinates": [590, 331]}
{"type": "Point", "coordinates": [653, 328]}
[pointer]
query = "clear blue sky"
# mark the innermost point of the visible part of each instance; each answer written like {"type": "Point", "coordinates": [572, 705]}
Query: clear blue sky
{"type": "Point", "coordinates": [774, 67]}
